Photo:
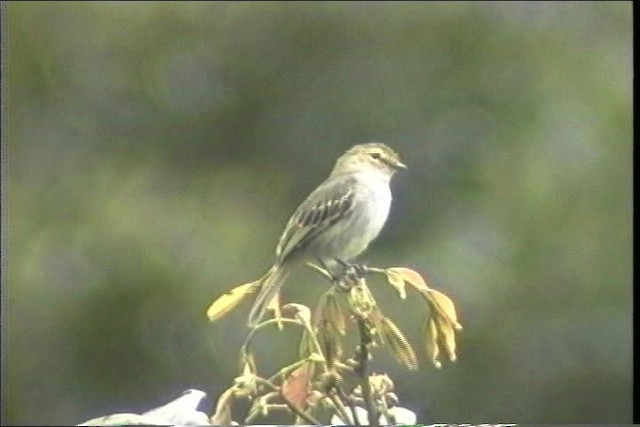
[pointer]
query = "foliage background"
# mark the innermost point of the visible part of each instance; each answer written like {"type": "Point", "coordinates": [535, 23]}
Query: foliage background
{"type": "Point", "coordinates": [155, 151]}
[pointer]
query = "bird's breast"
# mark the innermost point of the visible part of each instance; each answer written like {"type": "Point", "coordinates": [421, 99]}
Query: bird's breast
{"type": "Point", "coordinates": [382, 202]}
{"type": "Point", "coordinates": [378, 201]}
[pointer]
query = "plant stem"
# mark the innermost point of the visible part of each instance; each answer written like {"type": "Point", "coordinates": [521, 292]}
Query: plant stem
{"type": "Point", "coordinates": [299, 412]}
{"type": "Point", "coordinates": [278, 391]}
{"type": "Point", "coordinates": [339, 406]}
{"type": "Point", "coordinates": [352, 407]}
{"type": "Point", "coordinates": [363, 358]}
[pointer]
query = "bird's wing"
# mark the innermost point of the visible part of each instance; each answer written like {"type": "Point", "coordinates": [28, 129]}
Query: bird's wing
{"type": "Point", "coordinates": [330, 202]}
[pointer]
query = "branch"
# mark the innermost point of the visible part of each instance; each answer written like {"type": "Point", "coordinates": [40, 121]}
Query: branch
{"type": "Point", "coordinates": [363, 357]}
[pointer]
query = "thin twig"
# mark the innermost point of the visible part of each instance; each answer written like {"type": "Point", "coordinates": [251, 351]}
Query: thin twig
{"type": "Point", "coordinates": [299, 412]}
{"type": "Point", "coordinates": [223, 407]}
{"type": "Point", "coordinates": [282, 373]}
{"type": "Point", "coordinates": [352, 407]}
{"type": "Point", "coordinates": [253, 331]}
{"type": "Point", "coordinates": [278, 391]}
{"type": "Point", "coordinates": [320, 270]}
{"type": "Point", "coordinates": [363, 357]}
{"type": "Point", "coordinates": [337, 403]}
{"type": "Point", "coordinates": [266, 383]}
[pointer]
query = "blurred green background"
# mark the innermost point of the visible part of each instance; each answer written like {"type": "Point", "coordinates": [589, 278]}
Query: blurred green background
{"type": "Point", "coordinates": [155, 151]}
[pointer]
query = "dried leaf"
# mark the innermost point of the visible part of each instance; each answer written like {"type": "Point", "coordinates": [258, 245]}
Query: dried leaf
{"type": "Point", "coordinates": [444, 306]}
{"type": "Point", "coordinates": [376, 327]}
{"type": "Point", "coordinates": [447, 337]}
{"type": "Point", "coordinates": [318, 312]}
{"type": "Point", "coordinates": [399, 344]}
{"type": "Point", "coordinates": [410, 276]}
{"type": "Point", "coordinates": [396, 280]}
{"type": "Point", "coordinates": [296, 388]}
{"type": "Point", "coordinates": [330, 342]}
{"type": "Point", "coordinates": [328, 311]}
{"type": "Point", "coordinates": [334, 315]}
{"type": "Point", "coordinates": [299, 311]}
{"type": "Point", "coordinates": [431, 342]}
{"type": "Point", "coordinates": [360, 300]}
{"type": "Point", "coordinates": [227, 301]}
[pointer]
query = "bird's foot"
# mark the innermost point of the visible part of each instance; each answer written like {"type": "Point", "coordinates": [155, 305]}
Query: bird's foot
{"type": "Point", "coordinates": [351, 275]}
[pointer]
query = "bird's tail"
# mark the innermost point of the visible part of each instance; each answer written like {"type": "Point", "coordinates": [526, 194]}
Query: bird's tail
{"type": "Point", "coordinates": [270, 284]}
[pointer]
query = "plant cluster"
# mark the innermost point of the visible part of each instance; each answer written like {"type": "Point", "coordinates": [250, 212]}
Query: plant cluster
{"type": "Point", "coordinates": [326, 382]}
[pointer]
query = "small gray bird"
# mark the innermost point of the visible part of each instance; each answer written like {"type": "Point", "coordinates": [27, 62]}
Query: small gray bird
{"type": "Point", "coordinates": [337, 221]}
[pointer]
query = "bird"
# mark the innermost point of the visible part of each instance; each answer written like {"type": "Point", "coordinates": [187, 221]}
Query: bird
{"type": "Point", "coordinates": [337, 221]}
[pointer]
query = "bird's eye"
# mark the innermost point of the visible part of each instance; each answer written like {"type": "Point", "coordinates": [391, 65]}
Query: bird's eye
{"type": "Point", "coordinates": [375, 156]}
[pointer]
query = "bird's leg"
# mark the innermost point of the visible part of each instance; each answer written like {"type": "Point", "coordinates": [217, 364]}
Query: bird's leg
{"type": "Point", "coordinates": [345, 277]}
{"type": "Point", "coordinates": [340, 278]}
{"type": "Point", "coordinates": [352, 272]}
{"type": "Point", "coordinates": [353, 269]}
{"type": "Point", "coordinates": [361, 269]}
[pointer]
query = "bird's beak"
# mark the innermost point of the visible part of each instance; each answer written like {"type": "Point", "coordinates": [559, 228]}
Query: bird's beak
{"type": "Point", "coordinates": [395, 164]}
{"type": "Point", "coordinates": [399, 165]}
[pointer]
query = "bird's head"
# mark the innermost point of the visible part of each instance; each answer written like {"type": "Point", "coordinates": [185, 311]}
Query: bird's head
{"type": "Point", "coordinates": [374, 156]}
